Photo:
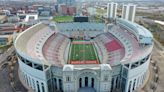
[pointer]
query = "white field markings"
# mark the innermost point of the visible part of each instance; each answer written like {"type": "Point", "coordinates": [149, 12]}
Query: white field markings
{"type": "Point", "coordinates": [87, 49]}
{"type": "Point", "coordinates": [83, 52]}
{"type": "Point", "coordinates": [70, 52]}
{"type": "Point", "coordinates": [92, 54]}
{"type": "Point", "coordinates": [79, 52]}
{"type": "Point", "coordinates": [74, 54]}
{"type": "Point", "coordinates": [92, 51]}
{"type": "Point", "coordinates": [95, 51]}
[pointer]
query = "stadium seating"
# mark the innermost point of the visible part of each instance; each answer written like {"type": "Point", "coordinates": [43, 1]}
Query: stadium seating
{"type": "Point", "coordinates": [111, 49]}
{"type": "Point", "coordinates": [129, 41]}
{"type": "Point", "coordinates": [41, 37]}
{"type": "Point", "coordinates": [67, 28]}
{"type": "Point", "coordinates": [55, 47]}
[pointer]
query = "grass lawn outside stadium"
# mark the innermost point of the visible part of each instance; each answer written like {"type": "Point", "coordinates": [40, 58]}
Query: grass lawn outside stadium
{"type": "Point", "coordinates": [83, 53]}
{"type": "Point", "coordinates": [63, 18]}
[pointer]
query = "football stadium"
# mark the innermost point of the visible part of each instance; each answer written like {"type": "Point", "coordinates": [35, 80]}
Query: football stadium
{"type": "Point", "coordinates": [84, 56]}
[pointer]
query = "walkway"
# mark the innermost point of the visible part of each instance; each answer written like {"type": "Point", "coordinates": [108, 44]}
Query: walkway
{"type": "Point", "coordinates": [9, 80]}
{"type": "Point", "coordinates": [156, 80]}
{"type": "Point", "coordinates": [5, 55]}
{"type": "Point", "coordinates": [86, 89]}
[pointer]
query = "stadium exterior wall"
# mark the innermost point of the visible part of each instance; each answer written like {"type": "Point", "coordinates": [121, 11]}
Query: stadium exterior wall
{"type": "Point", "coordinates": [70, 78]}
{"type": "Point", "coordinates": [35, 79]}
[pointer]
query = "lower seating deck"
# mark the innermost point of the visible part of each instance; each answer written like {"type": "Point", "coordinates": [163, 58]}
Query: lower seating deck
{"type": "Point", "coordinates": [110, 46]}
{"type": "Point", "coordinates": [54, 48]}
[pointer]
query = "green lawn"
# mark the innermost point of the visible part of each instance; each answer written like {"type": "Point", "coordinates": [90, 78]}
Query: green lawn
{"type": "Point", "coordinates": [82, 52]}
{"type": "Point", "coordinates": [100, 11]}
{"type": "Point", "coordinates": [63, 18]}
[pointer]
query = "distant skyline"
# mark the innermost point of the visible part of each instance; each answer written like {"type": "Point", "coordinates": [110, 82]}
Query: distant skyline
{"type": "Point", "coordinates": [84, 0]}
{"type": "Point", "coordinates": [79, 0]}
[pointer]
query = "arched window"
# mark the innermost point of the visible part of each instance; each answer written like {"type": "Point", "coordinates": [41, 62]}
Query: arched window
{"type": "Point", "coordinates": [105, 78]}
{"type": "Point", "coordinates": [80, 82]}
{"type": "Point", "coordinates": [43, 90]}
{"type": "Point", "coordinates": [33, 82]}
{"type": "Point", "coordinates": [134, 83]}
{"type": "Point", "coordinates": [86, 81]}
{"type": "Point", "coordinates": [130, 83]}
{"type": "Point", "coordinates": [27, 80]}
{"type": "Point", "coordinates": [68, 79]}
{"type": "Point", "coordinates": [117, 82]}
{"type": "Point", "coordinates": [92, 82]}
{"type": "Point", "coordinates": [112, 84]}
{"type": "Point", "coordinates": [60, 85]}
{"type": "Point", "coordinates": [55, 83]}
{"type": "Point", "coordinates": [38, 86]}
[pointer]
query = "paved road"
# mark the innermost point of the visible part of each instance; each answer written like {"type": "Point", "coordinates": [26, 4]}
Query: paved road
{"type": "Point", "coordinates": [18, 86]}
{"type": "Point", "coordinates": [4, 56]}
{"type": "Point", "coordinates": [4, 82]}
{"type": "Point", "coordinates": [149, 21]}
{"type": "Point", "coordinates": [4, 79]}
{"type": "Point", "coordinates": [158, 57]}
{"type": "Point", "coordinates": [5, 85]}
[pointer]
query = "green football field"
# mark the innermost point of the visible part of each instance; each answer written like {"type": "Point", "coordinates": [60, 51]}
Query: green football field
{"type": "Point", "coordinates": [82, 52]}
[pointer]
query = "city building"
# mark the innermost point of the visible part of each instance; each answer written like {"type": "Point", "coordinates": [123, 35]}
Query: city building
{"type": "Point", "coordinates": [71, 10]}
{"type": "Point", "coordinates": [28, 18]}
{"type": "Point", "coordinates": [3, 19]}
{"type": "Point", "coordinates": [6, 33]}
{"type": "Point", "coordinates": [91, 11]}
{"type": "Point", "coordinates": [128, 12]}
{"type": "Point", "coordinates": [31, 17]}
{"type": "Point", "coordinates": [5, 12]}
{"type": "Point", "coordinates": [44, 16]}
{"type": "Point", "coordinates": [5, 40]}
{"type": "Point", "coordinates": [112, 10]}
{"type": "Point", "coordinates": [66, 2]}
{"type": "Point", "coordinates": [13, 19]}
{"type": "Point", "coordinates": [80, 56]}
{"type": "Point", "coordinates": [66, 10]}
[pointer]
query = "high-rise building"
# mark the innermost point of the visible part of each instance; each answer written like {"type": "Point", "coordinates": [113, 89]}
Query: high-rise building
{"type": "Point", "coordinates": [67, 10]}
{"type": "Point", "coordinates": [111, 10]}
{"type": "Point", "coordinates": [67, 2]}
{"type": "Point", "coordinates": [128, 12]}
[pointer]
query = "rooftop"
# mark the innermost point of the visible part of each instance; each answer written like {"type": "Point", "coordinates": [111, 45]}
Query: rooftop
{"type": "Point", "coordinates": [2, 17]}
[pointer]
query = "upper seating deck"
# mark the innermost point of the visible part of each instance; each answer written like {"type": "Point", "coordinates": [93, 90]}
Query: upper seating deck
{"type": "Point", "coordinates": [133, 50]}
{"type": "Point", "coordinates": [143, 35]}
{"type": "Point", "coordinates": [89, 28]}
